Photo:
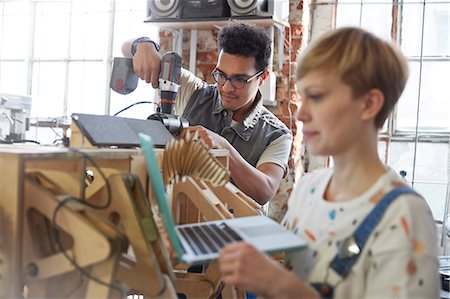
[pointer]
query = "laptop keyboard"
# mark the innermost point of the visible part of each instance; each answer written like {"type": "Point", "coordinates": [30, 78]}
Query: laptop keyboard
{"type": "Point", "coordinates": [208, 237]}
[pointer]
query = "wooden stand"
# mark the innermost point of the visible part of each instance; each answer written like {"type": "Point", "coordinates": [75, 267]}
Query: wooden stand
{"type": "Point", "coordinates": [28, 198]}
{"type": "Point", "coordinates": [119, 245]}
{"type": "Point", "coordinates": [47, 253]}
{"type": "Point", "coordinates": [195, 201]}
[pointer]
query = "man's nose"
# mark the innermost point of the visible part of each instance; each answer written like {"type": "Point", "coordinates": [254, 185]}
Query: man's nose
{"type": "Point", "coordinates": [227, 86]}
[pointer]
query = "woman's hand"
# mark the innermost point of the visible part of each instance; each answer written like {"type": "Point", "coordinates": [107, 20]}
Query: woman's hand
{"type": "Point", "coordinates": [246, 268]}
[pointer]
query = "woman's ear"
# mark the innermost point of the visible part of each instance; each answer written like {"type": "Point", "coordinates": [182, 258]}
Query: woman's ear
{"type": "Point", "coordinates": [372, 103]}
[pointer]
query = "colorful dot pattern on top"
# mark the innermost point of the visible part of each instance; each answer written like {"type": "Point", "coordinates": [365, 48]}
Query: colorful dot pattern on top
{"type": "Point", "coordinates": [332, 214]}
{"type": "Point", "coordinates": [398, 249]}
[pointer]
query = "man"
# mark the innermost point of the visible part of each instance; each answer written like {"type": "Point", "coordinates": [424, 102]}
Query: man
{"type": "Point", "coordinates": [230, 115]}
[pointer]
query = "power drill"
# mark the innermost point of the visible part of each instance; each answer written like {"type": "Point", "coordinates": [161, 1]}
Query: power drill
{"type": "Point", "coordinates": [124, 81]}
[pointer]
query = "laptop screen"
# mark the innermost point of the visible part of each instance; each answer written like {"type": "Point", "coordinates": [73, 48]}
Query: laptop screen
{"type": "Point", "coordinates": [158, 190]}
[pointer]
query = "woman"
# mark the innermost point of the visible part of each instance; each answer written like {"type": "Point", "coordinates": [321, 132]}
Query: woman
{"type": "Point", "coordinates": [348, 82]}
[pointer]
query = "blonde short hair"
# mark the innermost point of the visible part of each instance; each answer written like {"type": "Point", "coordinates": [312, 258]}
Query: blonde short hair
{"type": "Point", "coordinates": [362, 61]}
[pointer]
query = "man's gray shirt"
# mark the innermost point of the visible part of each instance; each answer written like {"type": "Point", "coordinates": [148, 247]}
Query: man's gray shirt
{"type": "Point", "coordinates": [260, 138]}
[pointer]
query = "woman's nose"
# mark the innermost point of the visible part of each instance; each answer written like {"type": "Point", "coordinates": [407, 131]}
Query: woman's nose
{"type": "Point", "coordinates": [302, 113]}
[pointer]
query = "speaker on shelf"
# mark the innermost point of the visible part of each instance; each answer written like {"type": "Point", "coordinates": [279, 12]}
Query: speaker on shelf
{"type": "Point", "coordinates": [262, 8]}
{"type": "Point", "coordinates": [163, 9]}
{"type": "Point", "coordinates": [205, 9]}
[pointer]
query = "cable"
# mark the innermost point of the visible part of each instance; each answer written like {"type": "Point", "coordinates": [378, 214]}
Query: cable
{"type": "Point", "coordinates": [62, 139]}
{"type": "Point", "coordinates": [55, 120]}
{"type": "Point", "coordinates": [74, 290]}
{"type": "Point", "coordinates": [55, 235]}
{"type": "Point", "coordinates": [4, 141]}
{"type": "Point", "coordinates": [56, 240]}
{"type": "Point", "coordinates": [26, 140]}
{"type": "Point", "coordinates": [102, 174]}
{"type": "Point", "coordinates": [137, 103]}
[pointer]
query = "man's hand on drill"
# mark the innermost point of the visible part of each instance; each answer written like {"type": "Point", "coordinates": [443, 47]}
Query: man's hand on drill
{"type": "Point", "coordinates": [146, 63]}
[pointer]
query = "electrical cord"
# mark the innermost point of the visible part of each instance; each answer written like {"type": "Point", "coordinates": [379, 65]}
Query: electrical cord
{"type": "Point", "coordinates": [4, 141]}
{"type": "Point", "coordinates": [62, 203]}
{"type": "Point", "coordinates": [60, 140]}
{"type": "Point", "coordinates": [137, 103]}
{"type": "Point", "coordinates": [26, 140]}
{"type": "Point", "coordinates": [55, 121]}
{"type": "Point", "coordinates": [73, 291]}
{"type": "Point", "coordinates": [56, 240]}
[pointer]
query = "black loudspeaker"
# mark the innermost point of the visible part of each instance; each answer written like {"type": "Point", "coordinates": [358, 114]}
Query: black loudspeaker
{"type": "Point", "coordinates": [205, 9]}
{"type": "Point", "coordinates": [163, 9]}
{"type": "Point", "coordinates": [262, 8]}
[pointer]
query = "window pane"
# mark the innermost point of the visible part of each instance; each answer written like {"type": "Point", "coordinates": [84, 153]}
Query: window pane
{"type": "Point", "coordinates": [52, 30]}
{"type": "Point", "coordinates": [129, 23]}
{"type": "Point", "coordinates": [368, 17]}
{"type": "Point", "coordinates": [14, 30]}
{"type": "Point", "coordinates": [401, 158]}
{"type": "Point", "coordinates": [434, 98]}
{"type": "Point", "coordinates": [435, 195]}
{"type": "Point", "coordinates": [411, 30]}
{"type": "Point", "coordinates": [74, 30]}
{"type": "Point", "coordinates": [13, 77]}
{"type": "Point", "coordinates": [382, 151]}
{"type": "Point", "coordinates": [437, 30]}
{"type": "Point", "coordinates": [348, 15]}
{"type": "Point", "coordinates": [48, 89]}
{"type": "Point", "coordinates": [86, 92]}
{"type": "Point", "coordinates": [425, 1]}
{"type": "Point", "coordinates": [407, 104]}
{"type": "Point", "coordinates": [431, 160]}
{"type": "Point", "coordinates": [90, 29]}
{"type": "Point", "coordinates": [44, 135]}
{"type": "Point", "coordinates": [431, 169]}
{"type": "Point", "coordinates": [371, 16]}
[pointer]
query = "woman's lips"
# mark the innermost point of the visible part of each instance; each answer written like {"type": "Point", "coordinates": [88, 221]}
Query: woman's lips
{"type": "Point", "coordinates": [309, 134]}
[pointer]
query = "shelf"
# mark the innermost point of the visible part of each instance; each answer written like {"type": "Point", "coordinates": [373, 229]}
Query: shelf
{"type": "Point", "coordinates": [211, 23]}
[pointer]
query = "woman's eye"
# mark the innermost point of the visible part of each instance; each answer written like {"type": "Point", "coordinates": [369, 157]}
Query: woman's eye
{"type": "Point", "coordinates": [315, 97]}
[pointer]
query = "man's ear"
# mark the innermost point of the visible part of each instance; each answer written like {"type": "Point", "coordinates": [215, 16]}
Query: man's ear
{"type": "Point", "coordinates": [263, 77]}
{"type": "Point", "coordinates": [372, 103]}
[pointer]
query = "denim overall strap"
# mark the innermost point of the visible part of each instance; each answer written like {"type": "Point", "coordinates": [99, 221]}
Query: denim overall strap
{"type": "Point", "coordinates": [352, 246]}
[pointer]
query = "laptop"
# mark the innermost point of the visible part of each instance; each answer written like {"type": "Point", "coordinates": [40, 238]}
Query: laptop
{"type": "Point", "coordinates": [106, 130]}
{"type": "Point", "coordinates": [201, 242]}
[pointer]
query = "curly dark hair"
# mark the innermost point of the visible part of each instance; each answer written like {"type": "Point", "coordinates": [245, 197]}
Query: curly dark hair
{"type": "Point", "coordinates": [249, 40]}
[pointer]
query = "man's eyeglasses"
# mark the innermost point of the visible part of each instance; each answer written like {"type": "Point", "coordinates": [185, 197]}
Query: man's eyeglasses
{"type": "Point", "coordinates": [237, 82]}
